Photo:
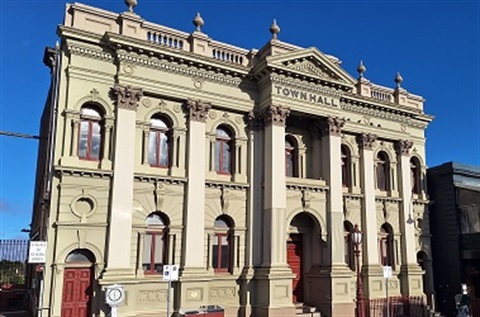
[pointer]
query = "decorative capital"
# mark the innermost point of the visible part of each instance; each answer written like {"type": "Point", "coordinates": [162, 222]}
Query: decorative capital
{"type": "Point", "coordinates": [254, 120]}
{"type": "Point", "coordinates": [402, 147]}
{"type": "Point", "coordinates": [365, 140]}
{"type": "Point", "coordinates": [276, 115]}
{"type": "Point", "coordinates": [127, 96]}
{"type": "Point", "coordinates": [197, 109]}
{"type": "Point", "coordinates": [331, 126]}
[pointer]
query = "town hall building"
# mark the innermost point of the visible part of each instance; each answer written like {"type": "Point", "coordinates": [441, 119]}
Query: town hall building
{"type": "Point", "coordinates": [247, 168]}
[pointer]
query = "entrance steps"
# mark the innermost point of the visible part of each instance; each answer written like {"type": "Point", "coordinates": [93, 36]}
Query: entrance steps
{"type": "Point", "coordinates": [304, 310]}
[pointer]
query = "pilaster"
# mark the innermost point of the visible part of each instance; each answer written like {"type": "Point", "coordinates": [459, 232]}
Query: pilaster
{"type": "Point", "coordinates": [194, 245]}
{"type": "Point", "coordinates": [410, 271]}
{"type": "Point", "coordinates": [120, 225]}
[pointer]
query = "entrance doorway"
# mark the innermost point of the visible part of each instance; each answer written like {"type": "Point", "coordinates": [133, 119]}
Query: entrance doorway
{"type": "Point", "coordinates": [78, 284]}
{"type": "Point", "coordinates": [294, 260]}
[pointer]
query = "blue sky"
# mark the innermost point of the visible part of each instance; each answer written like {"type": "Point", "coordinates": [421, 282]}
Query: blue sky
{"type": "Point", "coordinates": [435, 45]}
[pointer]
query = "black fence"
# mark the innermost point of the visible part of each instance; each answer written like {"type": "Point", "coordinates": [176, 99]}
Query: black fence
{"type": "Point", "coordinates": [13, 262]}
{"type": "Point", "coordinates": [402, 306]}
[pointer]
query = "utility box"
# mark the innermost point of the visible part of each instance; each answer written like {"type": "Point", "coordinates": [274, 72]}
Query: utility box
{"type": "Point", "coordinates": [213, 311]}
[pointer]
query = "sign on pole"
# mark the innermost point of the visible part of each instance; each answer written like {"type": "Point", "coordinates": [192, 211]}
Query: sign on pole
{"type": "Point", "coordinates": [170, 273]}
{"type": "Point", "coordinates": [37, 252]}
{"type": "Point", "coordinates": [114, 296]}
{"type": "Point", "coordinates": [387, 272]}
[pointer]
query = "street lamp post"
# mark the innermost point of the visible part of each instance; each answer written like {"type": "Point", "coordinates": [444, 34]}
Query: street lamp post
{"type": "Point", "coordinates": [357, 240]}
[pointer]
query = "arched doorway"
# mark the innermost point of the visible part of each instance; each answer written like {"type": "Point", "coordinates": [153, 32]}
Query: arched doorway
{"type": "Point", "coordinates": [78, 284]}
{"type": "Point", "coordinates": [303, 251]}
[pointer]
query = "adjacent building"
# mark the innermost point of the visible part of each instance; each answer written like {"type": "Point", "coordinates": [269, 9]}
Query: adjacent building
{"type": "Point", "coordinates": [248, 168]}
{"type": "Point", "coordinates": [454, 191]}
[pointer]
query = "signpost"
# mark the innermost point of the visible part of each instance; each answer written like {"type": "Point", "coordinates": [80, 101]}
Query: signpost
{"type": "Point", "coordinates": [114, 296]}
{"type": "Point", "coordinates": [37, 252]}
{"type": "Point", "coordinates": [387, 273]}
{"type": "Point", "coordinates": [170, 274]}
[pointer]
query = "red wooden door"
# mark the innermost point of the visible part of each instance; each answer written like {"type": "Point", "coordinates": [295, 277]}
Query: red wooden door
{"type": "Point", "coordinates": [294, 260]}
{"type": "Point", "coordinates": [77, 292]}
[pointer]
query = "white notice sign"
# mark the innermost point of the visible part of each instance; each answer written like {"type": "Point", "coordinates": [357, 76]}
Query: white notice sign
{"type": "Point", "coordinates": [37, 253]}
{"type": "Point", "coordinates": [387, 272]}
{"type": "Point", "coordinates": [170, 272]}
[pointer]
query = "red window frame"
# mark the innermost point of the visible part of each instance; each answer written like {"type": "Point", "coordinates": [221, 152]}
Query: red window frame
{"type": "Point", "coordinates": [90, 128]}
{"type": "Point", "coordinates": [218, 259]}
{"type": "Point", "coordinates": [154, 234]}
{"type": "Point", "coordinates": [290, 157]}
{"type": "Point", "coordinates": [158, 147]}
{"type": "Point", "coordinates": [220, 150]}
{"type": "Point", "coordinates": [345, 157]}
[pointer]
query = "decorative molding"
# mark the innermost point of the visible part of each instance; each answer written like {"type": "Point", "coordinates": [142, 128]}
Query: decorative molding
{"type": "Point", "coordinates": [223, 292]}
{"type": "Point", "coordinates": [95, 54]}
{"type": "Point", "coordinates": [365, 140]}
{"type": "Point", "coordinates": [402, 147]}
{"type": "Point", "coordinates": [276, 115]}
{"type": "Point", "coordinates": [128, 97]}
{"type": "Point", "coordinates": [331, 126]}
{"type": "Point", "coordinates": [151, 296]}
{"type": "Point", "coordinates": [197, 110]}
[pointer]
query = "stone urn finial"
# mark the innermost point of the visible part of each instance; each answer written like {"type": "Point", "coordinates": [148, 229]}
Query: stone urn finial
{"type": "Point", "coordinates": [398, 80]}
{"type": "Point", "coordinates": [361, 69]}
{"type": "Point", "coordinates": [131, 4]}
{"type": "Point", "coordinates": [198, 22]}
{"type": "Point", "coordinates": [274, 29]}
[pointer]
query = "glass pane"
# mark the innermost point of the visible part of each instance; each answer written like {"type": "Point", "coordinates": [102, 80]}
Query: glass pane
{"type": "Point", "coordinates": [77, 256]}
{"type": "Point", "coordinates": [83, 139]}
{"type": "Point", "coordinates": [215, 254]}
{"type": "Point", "coordinates": [147, 252]}
{"type": "Point", "coordinates": [218, 146]}
{"type": "Point", "coordinates": [219, 223]}
{"type": "Point", "coordinates": [163, 149]}
{"type": "Point", "coordinates": [158, 123]}
{"type": "Point", "coordinates": [226, 157]}
{"type": "Point", "coordinates": [96, 141]}
{"type": "Point", "coordinates": [222, 134]}
{"type": "Point", "coordinates": [152, 148]}
{"type": "Point", "coordinates": [91, 113]}
{"type": "Point", "coordinates": [158, 252]}
{"type": "Point", "coordinates": [224, 257]}
{"type": "Point", "coordinates": [288, 145]}
{"type": "Point", "coordinates": [289, 163]}
{"type": "Point", "coordinates": [154, 220]}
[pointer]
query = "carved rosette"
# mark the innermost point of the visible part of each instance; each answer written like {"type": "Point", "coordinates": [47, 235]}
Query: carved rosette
{"type": "Point", "coordinates": [127, 96]}
{"type": "Point", "coordinates": [197, 110]}
{"type": "Point", "coordinates": [331, 126]}
{"type": "Point", "coordinates": [365, 140]}
{"type": "Point", "coordinates": [276, 115]}
{"type": "Point", "coordinates": [402, 147]}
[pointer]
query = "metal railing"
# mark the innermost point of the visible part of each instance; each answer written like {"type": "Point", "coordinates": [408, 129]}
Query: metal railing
{"type": "Point", "coordinates": [13, 258]}
{"type": "Point", "coordinates": [401, 306]}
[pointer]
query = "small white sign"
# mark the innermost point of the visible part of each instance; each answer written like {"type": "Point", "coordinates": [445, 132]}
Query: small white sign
{"type": "Point", "coordinates": [170, 272]}
{"type": "Point", "coordinates": [37, 252]}
{"type": "Point", "coordinates": [387, 272]}
{"type": "Point", "coordinates": [114, 295]}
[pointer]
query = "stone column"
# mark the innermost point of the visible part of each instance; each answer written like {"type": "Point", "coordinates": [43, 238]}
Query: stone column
{"type": "Point", "coordinates": [120, 225]}
{"type": "Point", "coordinates": [338, 278]}
{"type": "Point", "coordinates": [371, 270]}
{"type": "Point", "coordinates": [274, 279]}
{"type": "Point", "coordinates": [410, 271]}
{"type": "Point", "coordinates": [106, 158]}
{"type": "Point", "coordinates": [195, 216]}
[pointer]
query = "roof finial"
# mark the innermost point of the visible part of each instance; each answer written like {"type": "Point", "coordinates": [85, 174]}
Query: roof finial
{"type": "Point", "coordinates": [274, 29]}
{"type": "Point", "coordinates": [198, 22]}
{"type": "Point", "coordinates": [131, 4]}
{"type": "Point", "coordinates": [398, 80]}
{"type": "Point", "coordinates": [361, 69]}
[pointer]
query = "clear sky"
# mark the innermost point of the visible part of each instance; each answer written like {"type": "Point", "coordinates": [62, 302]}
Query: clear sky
{"type": "Point", "coordinates": [435, 45]}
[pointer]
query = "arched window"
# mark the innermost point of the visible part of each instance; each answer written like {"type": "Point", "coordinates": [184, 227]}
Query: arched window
{"type": "Point", "coordinates": [90, 133]}
{"type": "Point", "coordinates": [155, 244]}
{"type": "Point", "coordinates": [159, 143]}
{"type": "Point", "coordinates": [222, 251]}
{"type": "Point", "coordinates": [415, 173]}
{"type": "Point", "coordinates": [346, 167]}
{"type": "Point", "coordinates": [349, 254]}
{"type": "Point", "coordinates": [223, 151]}
{"type": "Point", "coordinates": [387, 255]}
{"type": "Point", "coordinates": [80, 256]}
{"type": "Point", "coordinates": [291, 157]}
{"type": "Point", "coordinates": [382, 171]}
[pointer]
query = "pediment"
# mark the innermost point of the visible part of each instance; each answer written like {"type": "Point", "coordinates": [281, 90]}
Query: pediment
{"type": "Point", "coordinates": [312, 62]}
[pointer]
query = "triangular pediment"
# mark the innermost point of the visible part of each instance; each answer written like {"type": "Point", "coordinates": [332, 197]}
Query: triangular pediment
{"type": "Point", "coordinates": [311, 62]}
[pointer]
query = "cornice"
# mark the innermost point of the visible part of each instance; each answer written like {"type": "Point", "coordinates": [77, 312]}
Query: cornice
{"type": "Point", "coordinates": [82, 172]}
{"type": "Point", "coordinates": [231, 185]}
{"type": "Point", "coordinates": [186, 69]}
{"type": "Point", "coordinates": [148, 178]}
{"type": "Point", "coordinates": [75, 49]}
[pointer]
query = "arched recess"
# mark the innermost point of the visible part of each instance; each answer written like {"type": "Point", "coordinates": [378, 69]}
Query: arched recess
{"type": "Point", "coordinates": [234, 128]}
{"type": "Point", "coordinates": [78, 283]}
{"type": "Point", "coordinates": [304, 251]}
{"type": "Point", "coordinates": [101, 103]}
{"type": "Point", "coordinates": [165, 113]}
{"type": "Point", "coordinates": [93, 249]}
